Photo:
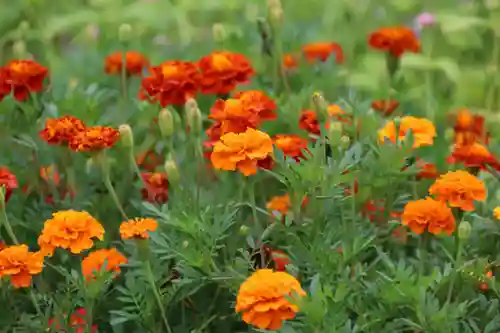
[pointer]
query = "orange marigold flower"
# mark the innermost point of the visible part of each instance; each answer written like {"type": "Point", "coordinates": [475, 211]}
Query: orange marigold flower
{"type": "Point", "coordinates": [156, 188]}
{"type": "Point", "coordinates": [292, 146]}
{"type": "Point", "coordinates": [385, 107]}
{"type": "Point", "coordinates": [61, 130]}
{"type": "Point", "coordinates": [259, 103]}
{"type": "Point", "coordinates": [109, 260]}
{"type": "Point", "coordinates": [172, 82]}
{"type": "Point", "coordinates": [77, 321]}
{"type": "Point", "coordinates": [395, 40]}
{"type": "Point", "coordinates": [309, 120]}
{"type": "Point", "coordinates": [428, 214]}
{"type": "Point", "coordinates": [241, 151]}
{"type": "Point", "coordinates": [135, 63]}
{"type": "Point", "coordinates": [427, 170]}
{"type": "Point", "coordinates": [18, 263]}
{"type": "Point", "coordinates": [25, 77]}
{"type": "Point", "coordinates": [473, 156]}
{"type": "Point", "coordinates": [460, 189]}
{"type": "Point", "coordinates": [280, 204]}
{"type": "Point", "coordinates": [469, 128]}
{"type": "Point", "coordinates": [423, 131]}
{"type": "Point", "coordinates": [71, 230]}
{"type": "Point", "coordinates": [496, 212]}
{"type": "Point", "coordinates": [290, 61]}
{"type": "Point", "coordinates": [149, 160]}
{"type": "Point", "coordinates": [264, 298]}
{"type": "Point", "coordinates": [9, 181]}
{"type": "Point", "coordinates": [138, 228]}
{"type": "Point", "coordinates": [94, 138]}
{"type": "Point", "coordinates": [322, 51]}
{"type": "Point", "coordinates": [222, 71]}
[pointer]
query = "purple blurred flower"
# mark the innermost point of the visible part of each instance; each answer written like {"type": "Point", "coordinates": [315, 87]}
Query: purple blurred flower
{"type": "Point", "coordinates": [424, 19]}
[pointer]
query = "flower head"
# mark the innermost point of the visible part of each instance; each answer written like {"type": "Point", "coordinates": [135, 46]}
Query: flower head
{"type": "Point", "coordinates": [171, 83]}
{"type": "Point", "coordinates": [156, 188]}
{"type": "Point", "coordinates": [71, 230]}
{"type": "Point", "coordinates": [292, 146]}
{"type": "Point", "coordinates": [496, 212]}
{"type": "Point", "coordinates": [395, 40]}
{"type": "Point", "coordinates": [24, 77]}
{"type": "Point", "coordinates": [385, 107]}
{"type": "Point", "coordinates": [423, 131]}
{"type": "Point", "coordinates": [222, 71]}
{"type": "Point", "coordinates": [9, 181]}
{"type": "Point", "coordinates": [149, 160]}
{"type": "Point", "coordinates": [241, 151]}
{"type": "Point", "coordinates": [425, 19]}
{"type": "Point", "coordinates": [94, 138]}
{"type": "Point", "coordinates": [264, 298]}
{"type": "Point", "coordinates": [322, 51]}
{"type": "Point", "coordinates": [428, 214]}
{"type": "Point", "coordinates": [469, 128]}
{"type": "Point", "coordinates": [473, 155]}
{"type": "Point", "coordinates": [460, 189]}
{"type": "Point", "coordinates": [426, 170]}
{"type": "Point", "coordinates": [279, 258]}
{"type": "Point", "coordinates": [135, 63]}
{"type": "Point", "coordinates": [5, 85]}
{"type": "Point", "coordinates": [18, 263]}
{"type": "Point", "coordinates": [309, 119]}
{"type": "Point", "coordinates": [137, 228]}
{"type": "Point", "coordinates": [61, 130]}
{"type": "Point", "coordinates": [280, 204]}
{"type": "Point", "coordinates": [77, 321]}
{"type": "Point", "coordinates": [108, 260]}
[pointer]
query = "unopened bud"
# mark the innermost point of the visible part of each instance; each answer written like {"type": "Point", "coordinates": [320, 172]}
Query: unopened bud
{"type": "Point", "coordinates": [275, 12]}
{"type": "Point", "coordinates": [244, 230]}
{"type": "Point", "coordinates": [193, 116]}
{"type": "Point", "coordinates": [219, 33]}
{"type": "Point", "coordinates": [185, 244]}
{"type": "Point", "coordinates": [126, 135]}
{"type": "Point", "coordinates": [345, 141]}
{"type": "Point", "coordinates": [166, 123]}
{"type": "Point", "coordinates": [172, 171]}
{"type": "Point", "coordinates": [464, 230]}
{"type": "Point", "coordinates": [124, 32]}
{"type": "Point", "coordinates": [19, 49]}
{"type": "Point", "coordinates": [320, 106]}
{"type": "Point", "coordinates": [335, 133]}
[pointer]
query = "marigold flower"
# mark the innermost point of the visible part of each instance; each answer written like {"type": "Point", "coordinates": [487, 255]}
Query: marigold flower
{"type": "Point", "coordinates": [469, 128]}
{"type": "Point", "coordinates": [496, 212]}
{"type": "Point", "coordinates": [428, 214]}
{"type": "Point", "coordinates": [280, 204]}
{"type": "Point", "coordinates": [395, 40]}
{"type": "Point", "coordinates": [18, 263]}
{"type": "Point", "coordinates": [9, 181]}
{"type": "Point", "coordinates": [149, 160]}
{"type": "Point", "coordinates": [77, 321]}
{"type": "Point", "coordinates": [5, 85]}
{"type": "Point", "coordinates": [385, 107]}
{"type": "Point", "coordinates": [135, 63]}
{"type": "Point", "coordinates": [259, 103]}
{"type": "Point", "coordinates": [241, 151]}
{"type": "Point", "coordinates": [473, 156]}
{"type": "Point", "coordinates": [279, 258]}
{"type": "Point", "coordinates": [108, 259]}
{"type": "Point", "coordinates": [71, 230]}
{"type": "Point", "coordinates": [156, 188]}
{"type": "Point", "coordinates": [94, 138]}
{"type": "Point", "coordinates": [24, 77]}
{"type": "Point", "coordinates": [292, 146]}
{"type": "Point", "coordinates": [222, 71]}
{"type": "Point", "coordinates": [290, 60]}
{"type": "Point", "coordinates": [460, 189]}
{"type": "Point", "coordinates": [309, 119]}
{"type": "Point", "coordinates": [426, 170]}
{"type": "Point", "coordinates": [138, 228]}
{"type": "Point", "coordinates": [423, 131]}
{"type": "Point", "coordinates": [322, 51]}
{"type": "Point", "coordinates": [264, 298]}
{"type": "Point", "coordinates": [61, 130]}
{"type": "Point", "coordinates": [172, 82]}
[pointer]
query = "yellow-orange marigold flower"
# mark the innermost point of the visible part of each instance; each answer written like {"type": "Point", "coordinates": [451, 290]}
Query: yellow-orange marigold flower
{"type": "Point", "coordinates": [292, 146]}
{"type": "Point", "coordinates": [322, 51]}
{"type": "Point", "coordinates": [71, 230]}
{"type": "Point", "coordinates": [241, 151]}
{"type": "Point", "coordinates": [469, 128]}
{"type": "Point", "coordinates": [460, 189]}
{"type": "Point", "coordinates": [395, 40]}
{"type": "Point", "coordinates": [264, 298]}
{"type": "Point", "coordinates": [61, 130]}
{"type": "Point", "coordinates": [135, 63]}
{"type": "Point", "coordinates": [428, 214]}
{"type": "Point", "coordinates": [280, 204]}
{"type": "Point", "coordinates": [18, 263]}
{"type": "Point", "coordinates": [24, 77]}
{"type": "Point", "coordinates": [222, 71]}
{"type": "Point", "coordinates": [496, 212]}
{"type": "Point", "coordinates": [422, 129]}
{"type": "Point", "coordinates": [109, 260]}
{"type": "Point", "coordinates": [94, 138]}
{"type": "Point", "coordinates": [138, 228]}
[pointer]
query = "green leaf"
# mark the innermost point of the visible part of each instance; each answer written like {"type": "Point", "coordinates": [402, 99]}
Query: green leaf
{"type": "Point", "coordinates": [417, 61]}
{"type": "Point", "coordinates": [452, 23]}
{"type": "Point", "coordinates": [450, 68]}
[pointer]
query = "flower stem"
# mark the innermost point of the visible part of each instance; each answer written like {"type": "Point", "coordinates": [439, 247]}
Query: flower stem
{"type": "Point", "coordinates": [458, 260]}
{"type": "Point", "coordinates": [102, 160]}
{"type": "Point", "coordinates": [123, 75]}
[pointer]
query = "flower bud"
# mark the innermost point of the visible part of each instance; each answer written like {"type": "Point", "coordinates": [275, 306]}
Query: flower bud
{"type": "Point", "coordinates": [19, 49]}
{"type": "Point", "coordinates": [219, 33]}
{"type": "Point", "coordinates": [166, 123]}
{"type": "Point", "coordinates": [275, 10]}
{"type": "Point", "coordinates": [185, 244]}
{"type": "Point", "coordinates": [335, 133]}
{"type": "Point", "coordinates": [126, 135]}
{"type": "Point", "coordinates": [172, 171]}
{"type": "Point", "coordinates": [244, 230]}
{"type": "Point", "coordinates": [320, 106]}
{"type": "Point", "coordinates": [345, 141]}
{"type": "Point", "coordinates": [193, 116]}
{"type": "Point", "coordinates": [124, 32]}
{"type": "Point", "coordinates": [464, 230]}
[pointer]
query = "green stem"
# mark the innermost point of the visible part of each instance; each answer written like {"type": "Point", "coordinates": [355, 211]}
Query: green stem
{"type": "Point", "coordinates": [251, 194]}
{"type": "Point", "coordinates": [123, 75]}
{"type": "Point", "coordinates": [151, 280]}
{"type": "Point", "coordinates": [89, 308]}
{"type": "Point", "coordinates": [423, 245]}
{"type": "Point", "coordinates": [102, 160]}
{"type": "Point", "coordinates": [458, 259]}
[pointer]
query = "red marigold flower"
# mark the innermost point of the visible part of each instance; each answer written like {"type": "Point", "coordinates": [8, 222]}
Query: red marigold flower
{"type": "Point", "coordinates": [426, 170]}
{"type": "Point", "coordinates": [135, 63]}
{"type": "Point", "coordinates": [156, 187]}
{"type": "Point", "coordinates": [149, 160]}
{"type": "Point", "coordinates": [94, 138]}
{"type": "Point", "coordinates": [5, 85]}
{"type": "Point", "coordinates": [61, 130]}
{"type": "Point", "coordinates": [25, 77]}
{"type": "Point", "coordinates": [290, 60]}
{"type": "Point", "coordinates": [222, 71]}
{"type": "Point", "coordinates": [172, 82]}
{"type": "Point", "coordinates": [474, 156]}
{"type": "Point", "coordinates": [9, 181]}
{"type": "Point", "coordinates": [309, 120]}
{"type": "Point", "coordinates": [77, 321]}
{"type": "Point", "coordinates": [385, 107]}
{"type": "Point", "coordinates": [292, 146]}
{"type": "Point", "coordinates": [322, 51]}
{"type": "Point", "coordinates": [469, 128]}
{"type": "Point", "coordinates": [279, 258]}
{"type": "Point", "coordinates": [395, 40]}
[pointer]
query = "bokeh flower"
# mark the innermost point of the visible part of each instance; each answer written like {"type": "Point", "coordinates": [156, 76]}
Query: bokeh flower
{"type": "Point", "coordinates": [496, 212]}
{"type": "Point", "coordinates": [107, 260]}
{"type": "Point", "coordinates": [321, 51]}
{"type": "Point", "coordinates": [94, 138]}
{"type": "Point", "coordinates": [60, 131]}
{"type": "Point", "coordinates": [24, 77]}
{"type": "Point", "coordinates": [135, 63]}
{"type": "Point", "coordinates": [18, 263]}
{"type": "Point", "coordinates": [422, 130]}
{"type": "Point", "coordinates": [309, 119]}
{"type": "Point", "coordinates": [469, 128]}
{"type": "Point", "coordinates": [424, 19]}
{"type": "Point", "coordinates": [385, 107]}
{"type": "Point", "coordinates": [222, 71]}
{"type": "Point", "coordinates": [292, 146]}
{"type": "Point", "coordinates": [426, 170]}
{"type": "Point", "coordinates": [395, 40]}
{"type": "Point", "coordinates": [71, 230]}
{"type": "Point", "coordinates": [460, 189]}
{"type": "Point", "coordinates": [279, 259]}
{"type": "Point", "coordinates": [428, 214]}
{"type": "Point", "coordinates": [156, 187]}
{"type": "Point", "coordinates": [5, 85]}
{"type": "Point", "coordinates": [241, 151]}
{"type": "Point", "coordinates": [279, 204]}
{"type": "Point", "coordinates": [473, 155]}
{"type": "Point", "coordinates": [264, 298]}
{"type": "Point", "coordinates": [149, 160]}
{"type": "Point", "coordinates": [9, 181]}
{"type": "Point", "coordinates": [138, 228]}
{"type": "Point", "coordinates": [77, 321]}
